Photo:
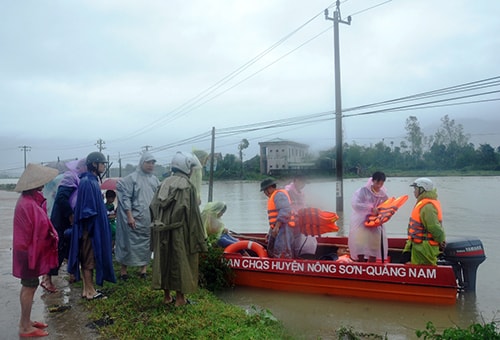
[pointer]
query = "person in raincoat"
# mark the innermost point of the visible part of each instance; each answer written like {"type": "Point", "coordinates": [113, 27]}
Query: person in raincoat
{"type": "Point", "coordinates": [34, 244]}
{"type": "Point", "coordinates": [178, 235]}
{"type": "Point", "coordinates": [365, 243]}
{"type": "Point", "coordinates": [297, 196]}
{"type": "Point", "coordinates": [90, 247]}
{"type": "Point", "coordinates": [211, 217]}
{"type": "Point", "coordinates": [426, 235]}
{"type": "Point", "coordinates": [62, 214]}
{"type": "Point", "coordinates": [133, 220]}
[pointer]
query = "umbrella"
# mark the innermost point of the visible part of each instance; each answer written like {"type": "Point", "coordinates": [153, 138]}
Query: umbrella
{"type": "Point", "coordinates": [109, 183]}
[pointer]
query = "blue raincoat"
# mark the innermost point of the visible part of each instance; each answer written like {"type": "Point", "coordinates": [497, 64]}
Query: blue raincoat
{"type": "Point", "coordinates": [90, 211]}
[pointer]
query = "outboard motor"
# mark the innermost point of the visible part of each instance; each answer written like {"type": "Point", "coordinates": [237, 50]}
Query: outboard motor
{"type": "Point", "coordinates": [465, 255]}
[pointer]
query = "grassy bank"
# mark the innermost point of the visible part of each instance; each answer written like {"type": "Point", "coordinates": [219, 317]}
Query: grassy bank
{"type": "Point", "coordinates": [134, 311]}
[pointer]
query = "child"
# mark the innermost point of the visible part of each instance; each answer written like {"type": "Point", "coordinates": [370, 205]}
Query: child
{"type": "Point", "coordinates": [110, 207]}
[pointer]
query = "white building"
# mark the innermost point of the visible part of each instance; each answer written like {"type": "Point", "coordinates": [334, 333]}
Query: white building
{"type": "Point", "coordinates": [279, 155]}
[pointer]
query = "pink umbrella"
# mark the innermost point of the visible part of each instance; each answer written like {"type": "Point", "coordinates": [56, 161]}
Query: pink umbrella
{"type": "Point", "coordinates": [109, 183]}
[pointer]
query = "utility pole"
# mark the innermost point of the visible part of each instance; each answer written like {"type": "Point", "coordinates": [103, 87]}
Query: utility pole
{"type": "Point", "coordinates": [100, 144]}
{"type": "Point", "coordinates": [120, 165]}
{"type": "Point", "coordinates": [211, 173]}
{"type": "Point", "coordinates": [339, 165]}
{"type": "Point", "coordinates": [146, 147]}
{"type": "Point", "coordinates": [25, 148]}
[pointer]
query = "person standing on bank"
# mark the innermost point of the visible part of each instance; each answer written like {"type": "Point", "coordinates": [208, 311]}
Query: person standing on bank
{"type": "Point", "coordinates": [34, 249]}
{"type": "Point", "coordinates": [365, 243]}
{"type": "Point", "coordinates": [62, 215]}
{"type": "Point", "coordinates": [426, 235]}
{"type": "Point", "coordinates": [90, 246]}
{"type": "Point", "coordinates": [282, 231]}
{"type": "Point", "coordinates": [133, 234]}
{"type": "Point", "coordinates": [178, 235]}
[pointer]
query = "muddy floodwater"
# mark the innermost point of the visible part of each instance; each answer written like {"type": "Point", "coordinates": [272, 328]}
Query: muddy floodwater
{"type": "Point", "coordinates": [470, 206]}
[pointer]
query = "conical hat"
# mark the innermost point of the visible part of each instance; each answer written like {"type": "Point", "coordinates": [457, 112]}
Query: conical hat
{"type": "Point", "coordinates": [35, 176]}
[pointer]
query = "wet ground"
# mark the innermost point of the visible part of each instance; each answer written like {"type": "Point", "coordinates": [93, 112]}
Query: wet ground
{"type": "Point", "coordinates": [63, 323]}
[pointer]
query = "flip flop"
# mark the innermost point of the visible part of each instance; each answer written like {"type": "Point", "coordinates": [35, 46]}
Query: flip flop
{"type": "Point", "coordinates": [188, 302]}
{"type": "Point", "coordinates": [38, 324]}
{"type": "Point", "coordinates": [48, 289]}
{"type": "Point", "coordinates": [33, 334]}
{"type": "Point", "coordinates": [171, 302]}
{"type": "Point", "coordinates": [98, 296]}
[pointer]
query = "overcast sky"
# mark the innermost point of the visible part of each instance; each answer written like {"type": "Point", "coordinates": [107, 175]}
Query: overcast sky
{"type": "Point", "coordinates": [163, 73]}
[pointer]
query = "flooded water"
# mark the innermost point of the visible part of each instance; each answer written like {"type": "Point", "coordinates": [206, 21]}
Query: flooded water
{"type": "Point", "coordinates": [470, 206]}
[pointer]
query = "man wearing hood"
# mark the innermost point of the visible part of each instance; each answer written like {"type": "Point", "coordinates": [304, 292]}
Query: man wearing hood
{"type": "Point", "coordinates": [135, 192]}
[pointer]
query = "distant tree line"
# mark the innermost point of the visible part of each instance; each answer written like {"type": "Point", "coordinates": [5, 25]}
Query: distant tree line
{"type": "Point", "coordinates": [449, 149]}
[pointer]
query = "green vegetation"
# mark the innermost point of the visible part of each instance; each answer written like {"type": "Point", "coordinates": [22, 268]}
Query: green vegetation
{"type": "Point", "coordinates": [475, 331]}
{"type": "Point", "coordinates": [134, 311]}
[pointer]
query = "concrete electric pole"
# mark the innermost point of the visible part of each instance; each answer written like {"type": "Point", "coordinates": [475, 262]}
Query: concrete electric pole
{"type": "Point", "coordinates": [100, 144]}
{"type": "Point", "coordinates": [25, 149]}
{"type": "Point", "coordinates": [339, 165]}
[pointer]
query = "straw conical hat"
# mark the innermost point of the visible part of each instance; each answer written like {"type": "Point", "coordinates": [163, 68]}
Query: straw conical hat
{"type": "Point", "coordinates": [34, 176]}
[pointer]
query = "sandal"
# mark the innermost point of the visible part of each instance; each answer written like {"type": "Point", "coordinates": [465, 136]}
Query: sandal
{"type": "Point", "coordinates": [97, 296]}
{"type": "Point", "coordinates": [50, 289]}
{"type": "Point", "coordinates": [38, 324]}
{"type": "Point", "coordinates": [34, 334]}
{"type": "Point", "coordinates": [171, 302]}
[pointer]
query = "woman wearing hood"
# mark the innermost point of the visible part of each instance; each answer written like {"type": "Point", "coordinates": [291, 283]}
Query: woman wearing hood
{"type": "Point", "coordinates": [135, 192]}
{"type": "Point", "coordinates": [365, 244]}
{"type": "Point", "coordinates": [62, 215]}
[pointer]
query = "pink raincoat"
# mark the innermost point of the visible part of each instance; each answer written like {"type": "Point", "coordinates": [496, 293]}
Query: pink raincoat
{"type": "Point", "coordinates": [35, 239]}
{"type": "Point", "coordinates": [363, 240]}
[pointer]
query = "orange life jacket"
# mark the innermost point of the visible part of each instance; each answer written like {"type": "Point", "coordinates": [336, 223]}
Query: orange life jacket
{"type": "Point", "coordinates": [315, 222]}
{"type": "Point", "coordinates": [385, 211]}
{"type": "Point", "coordinates": [416, 230]}
{"type": "Point", "coordinates": [272, 212]}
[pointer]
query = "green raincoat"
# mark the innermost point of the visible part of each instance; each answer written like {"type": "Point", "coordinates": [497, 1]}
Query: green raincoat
{"type": "Point", "coordinates": [425, 253]}
{"type": "Point", "coordinates": [177, 235]}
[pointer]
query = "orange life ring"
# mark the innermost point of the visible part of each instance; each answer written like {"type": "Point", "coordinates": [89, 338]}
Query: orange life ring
{"type": "Point", "coordinates": [242, 245]}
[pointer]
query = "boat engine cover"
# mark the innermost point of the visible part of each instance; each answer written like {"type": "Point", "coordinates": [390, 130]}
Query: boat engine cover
{"type": "Point", "coordinates": [461, 249]}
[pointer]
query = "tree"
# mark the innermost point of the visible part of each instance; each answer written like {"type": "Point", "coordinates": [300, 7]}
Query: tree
{"type": "Point", "coordinates": [242, 146]}
{"type": "Point", "coordinates": [449, 133]}
{"type": "Point", "coordinates": [415, 138]}
{"type": "Point", "coordinates": [487, 158]}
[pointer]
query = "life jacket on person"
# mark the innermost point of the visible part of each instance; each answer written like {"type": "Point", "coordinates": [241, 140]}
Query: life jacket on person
{"type": "Point", "coordinates": [416, 230]}
{"type": "Point", "coordinates": [272, 212]}
{"type": "Point", "coordinates": [385, 211]}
